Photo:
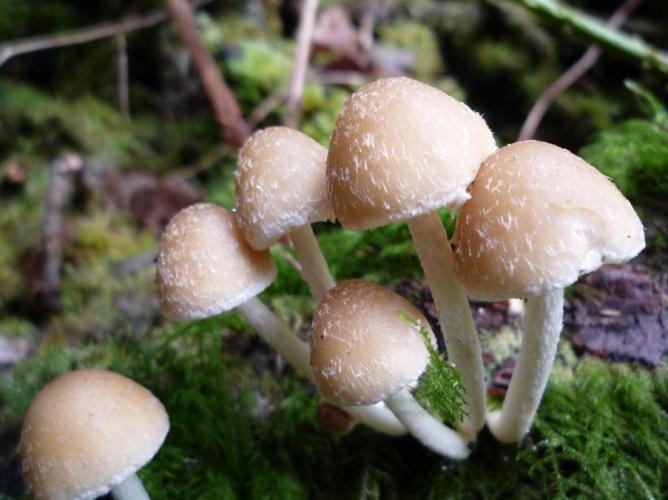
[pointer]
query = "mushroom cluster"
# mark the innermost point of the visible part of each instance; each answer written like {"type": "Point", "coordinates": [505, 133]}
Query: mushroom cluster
{"type": "Point", "coordinates": [532, 218]}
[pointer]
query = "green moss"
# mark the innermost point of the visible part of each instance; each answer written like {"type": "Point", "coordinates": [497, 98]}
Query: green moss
{"type": "Point", "coordinates": [635, 153]}
{"type": "Point", "coordinates": [258, 67]}
{"type": "Point", "coordinates": [14, 326]}
{"type": "Point", "coordinates": [418, 39]}
{"type": "Point", "coordinates": [102, 237]}
{"type": "Point", "coordinates": [495, 55]}
{"type": "Point", "coordinates": [601, 433]}
{"type": "Point", "coordinates": [592, 108]}
{"type": "Point", "coordinates": [440, 387]}
{"type": "Point", "coordinates": [20, 229]}
{"type": "Point", "coordinates": [374, 255]}
{"type": "Point", "coordinates": [320, 108]}
{"type": "Point", "coordinates": [85, 123]}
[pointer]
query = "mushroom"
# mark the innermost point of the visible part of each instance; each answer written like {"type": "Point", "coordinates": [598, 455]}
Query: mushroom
{"type": "Point", "coordinates": [366, 348]}
{"type": "Point", "coordinates": [400, 150]}
{"type": "Point", "coordinates": [280, 189]}
{"type": "Point", "coordinates": [206, 267]}
{"type": "Point", "coordinates": [538, 218]}
{"type": "Point", "coordinates": [87, 433]}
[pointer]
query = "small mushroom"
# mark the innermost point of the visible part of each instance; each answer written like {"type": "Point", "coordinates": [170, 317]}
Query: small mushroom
{"type": "Point", "coordinates": [206, 267]}
{"type": "Point", "coordinates": [366, 348]}
{"type": "Point", "coordinates": [538, 218]}
{"type": "Point", "coordinates": [280, 189]}
{"type": "Point", "coordinates": [87, 433]}
{"type": "Point", "coordinates": [400, 150]}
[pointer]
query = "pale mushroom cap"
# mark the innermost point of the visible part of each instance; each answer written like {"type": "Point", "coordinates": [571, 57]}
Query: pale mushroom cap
{"type": "Point", "coordinates": [205, 266]}
{"type": "Point", "coordinates": [539, 217]}
{"type": "Point", "coordinates": [87, 431]}
{"type": "Point", "coordinates": [401, 148]}
{"type": "Point", "coordinates": [365, 344]}
{"type": "Point", "coordinates": [280, 185]}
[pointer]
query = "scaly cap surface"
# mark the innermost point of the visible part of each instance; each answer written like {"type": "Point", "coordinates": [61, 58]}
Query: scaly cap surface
{"type": "Point", "coordinates": [365, 344]}
{"type": "Point", "coordinates": [401, 148]}
{"type": "Point", "coordinates": [87, 431]}
{"type": "Point", "coordinates": [539, 217]}
{"type": "Point", "coordinates": [280, 185]}
{"type": "Point", "coordinates": [205, 266]}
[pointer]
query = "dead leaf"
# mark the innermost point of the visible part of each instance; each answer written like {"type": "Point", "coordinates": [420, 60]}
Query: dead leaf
{"type": "Point", "coordinates": [334, 31]}
{"type": "Point", "coordinates": [332, 419]}
{"type": "Point", "coordinates": [151, 200]}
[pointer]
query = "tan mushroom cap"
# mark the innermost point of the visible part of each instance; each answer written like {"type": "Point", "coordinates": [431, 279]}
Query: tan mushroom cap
{"type": "Point", "coordinates": [205, 266]}
{"type": "Point", "coordinates": [280, 185]}
{"type": "Point", "coordinates": [87, 431]}
{"type": "Point", "coordinates": [365, 344]}
{"type": "Point", "coordinates": [400, 149]}
{"type": "Point", "coordinates": [539, 217]}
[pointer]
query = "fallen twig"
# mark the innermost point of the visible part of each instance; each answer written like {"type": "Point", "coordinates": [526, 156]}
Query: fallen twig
{"type": "Point", "coordinates": [224, 103]}
{"type": "Point", "coordinates": [76, 37]}
{"type": "Point", "coordinates": [571, 75]}
{"type": "Point", "coordinates": [304, 37]}
{"type": "Point", "coordinates": [265, 107]}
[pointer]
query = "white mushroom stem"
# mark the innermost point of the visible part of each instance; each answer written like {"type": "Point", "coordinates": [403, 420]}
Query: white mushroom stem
{"type": "Point", "coordinates": [296, 352]}
{"type": "Point", "coordinates": [131, 488]}
{"type": "Point", "coordinates": [459, 332]}
{"type": "Point", "coordinates": [379, 417]}
{"type": "Point", "coordinates": [542, 328]}
{"type": "Point", "coordinates": [277, 335]}
{"type": "Point", "coordinates": [425, 428]}
{"type": "Point", "coordinates": [314, 266]}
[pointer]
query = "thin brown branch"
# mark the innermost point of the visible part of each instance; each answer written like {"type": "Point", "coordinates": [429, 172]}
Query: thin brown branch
{"type": "Point", "coordinates": [76, 37]}
{"type": "Point", "coordinates": [266, 107]}
{"type": "Point", "coordinates": [225, 106]}
{"type": "Point", "coordinates": [304, 36]}
{"type": "Point", "coordinates": [342, 77]}
{"type": "Point", "coordinates": [202, 164]}
{"type": "Point", "coordinates": [572, 74]}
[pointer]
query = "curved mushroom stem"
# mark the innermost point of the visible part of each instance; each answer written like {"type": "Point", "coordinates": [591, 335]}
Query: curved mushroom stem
{"type": "Point", "coordinates": [131, 488]}
{"type": "Point", "coordinates": [454, 314]}
{"type": "Point", "coordinates": [277, 335]}
{"type": "Point", "coordinates": [542, 328]}
{"type": "Point", "coordinates": [296, 352]}
{"type": "Point", "coordinates": [425, 428]}
{"type": "Point", "coordinates": [314, 267]}
{"type": "Point", "coordinates": [378, 417]}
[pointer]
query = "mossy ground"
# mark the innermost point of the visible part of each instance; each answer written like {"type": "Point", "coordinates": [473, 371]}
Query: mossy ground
{"type": "Point", "coordinates": [242, 428]}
